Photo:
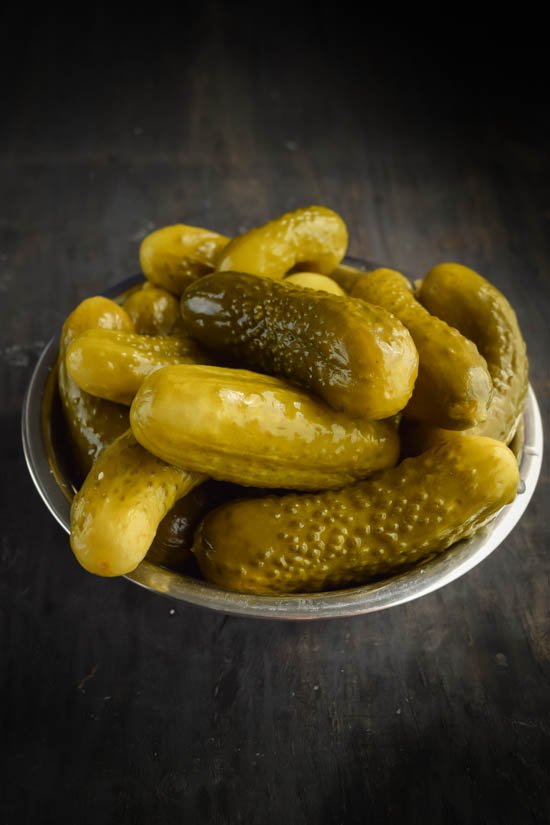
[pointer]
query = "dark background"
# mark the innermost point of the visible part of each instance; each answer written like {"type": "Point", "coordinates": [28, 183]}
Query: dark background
{"type": "Point", "coordinates": [119, 706]}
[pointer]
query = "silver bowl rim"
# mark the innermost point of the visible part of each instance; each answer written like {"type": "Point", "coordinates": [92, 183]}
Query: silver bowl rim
{"type": "Point", "coordinates": [418, 581]}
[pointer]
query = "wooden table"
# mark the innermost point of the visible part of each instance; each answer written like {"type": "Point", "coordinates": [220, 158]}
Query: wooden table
{"type": "Point", "coordinates": [117, 705]}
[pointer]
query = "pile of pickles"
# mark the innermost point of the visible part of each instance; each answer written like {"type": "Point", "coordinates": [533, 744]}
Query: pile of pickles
{"type": "Point", "coordinates": [281, 422]}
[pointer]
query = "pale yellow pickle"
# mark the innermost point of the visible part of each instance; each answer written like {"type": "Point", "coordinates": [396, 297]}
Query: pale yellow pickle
{"type": "Point", "coordinates": [116, 513]}
{"type": "Point", "coordinates": [252, 429]}
{"type": "Point", "coordinates": [113, 365]}
{"type": "Point", "coordinates": [315, 237]}
{"type": "Point", "coordinates": [313, 280]}
{"type": "Point", "coordinates": [175, 256]}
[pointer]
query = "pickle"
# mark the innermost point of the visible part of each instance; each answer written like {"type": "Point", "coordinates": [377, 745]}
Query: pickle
{"type": "Point", "coordinates": [92, 422]}
{"type": "Point", "coordinates": [480, 311]}
{"type": "Point", "coordinates": [357, 357]}
{"type": "Point", "coordinates": [175, 256]}
{"type": "Point", "coordinates": [314, 237]}
{"type": "Point", "coordinates": [94, 313]}
{"type": "Point", "coordinates": [347, 276]}
{"type": "Point", "coordinates": [153, 310]}
{"type": "Point", "coordinates": [113, 365]}
{"type": "Point", "coordinates": [374, 528]}
{"type": "Point", "coordinates": [171, 546]}
{"type": "Point", "coordinates": [453, 387]}
{"type": "Point", "coordinates": [313, 280]}
{"type": "Point", "coordinates": [173, 540]}
{"type": "Point", "coordinates": [252, 429]}
{"type": "Point", "coordinates": [116, 513]}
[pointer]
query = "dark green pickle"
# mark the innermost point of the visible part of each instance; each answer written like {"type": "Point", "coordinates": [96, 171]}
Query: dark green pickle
{"type": "Point", "coordinates": [172, 544]}
{"type": "Point", "coordinates": [358, 357]}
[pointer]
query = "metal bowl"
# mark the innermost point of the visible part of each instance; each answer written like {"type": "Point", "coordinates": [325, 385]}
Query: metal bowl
{"type": "Point", "coordinates": [48, 468]}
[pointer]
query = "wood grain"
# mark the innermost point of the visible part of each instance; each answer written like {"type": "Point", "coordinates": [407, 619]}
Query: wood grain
{"type": "Point", "coordinates": [120, 706]}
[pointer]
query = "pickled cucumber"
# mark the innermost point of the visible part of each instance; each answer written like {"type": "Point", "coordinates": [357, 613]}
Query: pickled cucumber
{"type": "Point", "coordinates": [346, 276]}
{"type": "Point", "coordinates": [313, 280]}
{"type": "Point", "coordinates": [480, 311]}
{"type": "Point", "coordinates": [115, 515]}
{"type": "Point", "coordinates": [171, 546]}
{"type": "Point", "coordinates": [306, 543]}
{"type": "Point", "coordinates": [453, 387]}
{"type": "Point", "coordinates": [314, 237]}
{"type": "Point", "coordinates": [92, 422]}
{"type": "Point", "coordinates": [358, 357]}
{"type": "Point", "coordinates": [112, 364]}
{"type": "Point", "coordinates": [173, 540]}
{"type": "Point", "coordinates": [154, 310]}
{"type": "Point", "coordinates": [175, 256]}
{"type": "Point", "coordinates": [252, 429]}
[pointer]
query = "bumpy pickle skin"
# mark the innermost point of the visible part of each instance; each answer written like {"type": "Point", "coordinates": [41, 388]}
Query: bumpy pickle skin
{"type": "Point", "coordinates": [92, 422]}
{"type": "Point", "coordinates": [310, 543]}
{"type": "Point", "coordinates": [314, 236]}
{"type": "Point", "coordinates": [467, 301]}
{"type": "Point", "coordinates": [313, 280]}
{"type": "Point", "coordinates": [453, 388]}
{"type": "Point", "coordinates": [255, 430]}
{"type": "Point", "coordinates": [175, 256]}
{"type": "Point", "coordinates": [153, 310]}
{"type": "Point", "coordinates": [113, 365]}
{"type": "Point", "coordinates": [357, 357]}
{"type": "Point", "coordinates": [115, 514]}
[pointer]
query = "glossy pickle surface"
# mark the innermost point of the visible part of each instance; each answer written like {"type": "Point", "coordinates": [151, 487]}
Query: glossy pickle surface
{"type": "Point", "coordinates": [467, 301]}
{"type": "Point", "coordinates": [116, 512]}
{"type": "Point", "coordinates": [453, 387]}
{"type": "Point", "coordinates": [256, 430]}
{"type": "Point", "coordinates": [92, 422]}
{"type": "Point", "coordinates": [357, 357]}
{"type": "Point", "coordinates": [174, 256]}
{"type": "Point", "coordinates": [309, 543]}
{"type": "Point", "coordinates": [314, 280]}
{"type": "Point", "coordinates": [113, 365]}
{"type": "Point", "coordinates": [314, 237]}
{"type": "Point", "coordinates": [153, 310]}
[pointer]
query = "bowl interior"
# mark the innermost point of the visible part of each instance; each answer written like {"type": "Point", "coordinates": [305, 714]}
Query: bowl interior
{"type": "Point", "coordinates": [54, 473]}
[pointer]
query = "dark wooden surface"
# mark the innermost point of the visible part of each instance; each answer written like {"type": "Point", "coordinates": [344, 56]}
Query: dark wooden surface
{"type": "Point", "coordinates": [119, 706]}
